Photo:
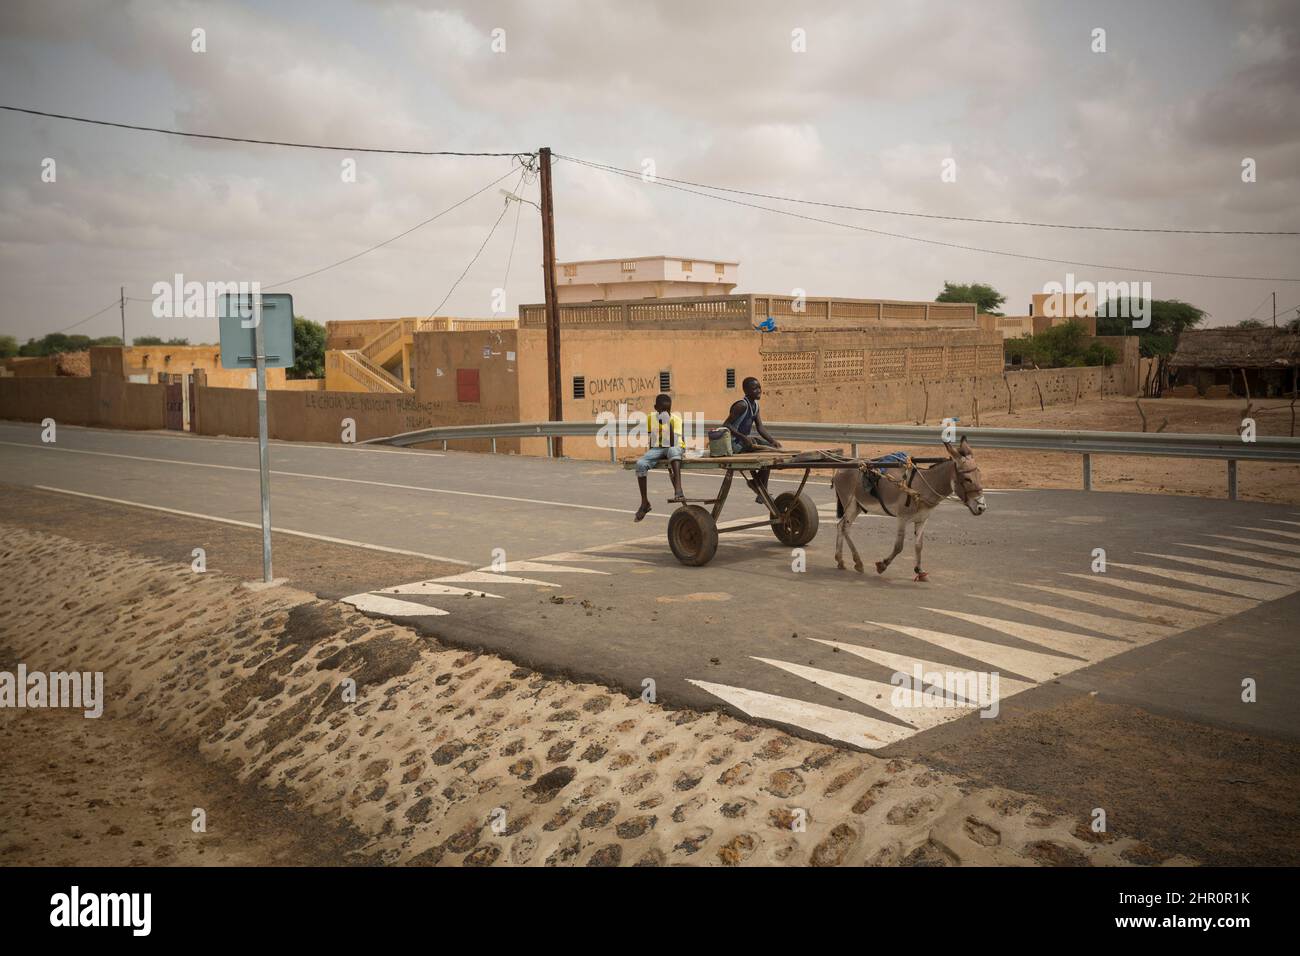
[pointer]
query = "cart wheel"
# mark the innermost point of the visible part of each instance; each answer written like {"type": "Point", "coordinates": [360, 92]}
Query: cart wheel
{"type": "Point", "coordinates": [693, 535]}
{"type": "Point", "coordinates": [797, 524]}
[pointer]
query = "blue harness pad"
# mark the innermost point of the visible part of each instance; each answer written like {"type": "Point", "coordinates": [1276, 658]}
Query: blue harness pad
{"type": "Point", "coordinates": [894, 458]}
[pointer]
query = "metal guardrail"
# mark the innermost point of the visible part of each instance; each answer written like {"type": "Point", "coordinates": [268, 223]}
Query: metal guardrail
{"type": "Point", "coordinates": [1227, 448]}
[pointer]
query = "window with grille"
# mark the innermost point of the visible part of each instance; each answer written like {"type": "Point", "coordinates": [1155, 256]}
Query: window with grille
{"type": "Point", "coordinates": [719, 268]}
{"type": "Point", "coordinates": [688, 265]}
{"type": "Point", "coordinates": [579, 386]}
{"type": "Point", "coordinates": [571, 270]}
{"type": "Point", "coordinates": [731, 378]}
{"type": "Point", "coordinates": [628, 266]}
{"type": "Point", "coordinates": [665, 381]}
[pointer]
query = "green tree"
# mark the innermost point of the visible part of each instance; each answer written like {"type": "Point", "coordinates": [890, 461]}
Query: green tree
{"type": "Point", "coordinates": [1169, 317]}
{"type": "Point", "coordinates": [308, 349]}
{"type": "Point", "coordinates": [147, 340]}
{"type": "Point", "coordinates": [8, 346]}
{"type": "Point", "coordinates": [986, 298]}
{"type": "Point", "coordinates": [1060, 346]}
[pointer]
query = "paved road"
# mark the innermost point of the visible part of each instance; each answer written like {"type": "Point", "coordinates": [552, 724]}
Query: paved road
{"type": "Point", "coordinates": [1198, 594]}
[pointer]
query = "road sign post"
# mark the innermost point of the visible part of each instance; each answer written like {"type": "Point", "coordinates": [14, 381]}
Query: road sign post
{"type": "Point", "coordinates": [248, 323]}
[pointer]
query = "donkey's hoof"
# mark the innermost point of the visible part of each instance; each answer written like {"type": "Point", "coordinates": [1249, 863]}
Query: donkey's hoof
{"type": "Point", "coordinates": [857, 566]}
{"type": "Point", "coordinates": [840, 565]}
{"type": "Point", "coordinates": [922, 576]}
{"type": "Point", "coordinates": [880, 567]}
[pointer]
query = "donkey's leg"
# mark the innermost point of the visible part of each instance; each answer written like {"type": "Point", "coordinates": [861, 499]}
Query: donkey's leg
{"type": "Point", "coordinates": [851, 512]}
{"type": "Point", "coordinates": [898, 546]}
{"type": "Point", "coordinates": [918, 533]}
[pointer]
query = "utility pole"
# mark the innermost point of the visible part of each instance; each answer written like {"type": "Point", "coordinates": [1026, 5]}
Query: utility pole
{"type": "Point", "coordinates": [1274, 310]}
{"type": "Point", "coordinates": [554, 397]}
{"type": "Point", "coordinates": [121, 305]}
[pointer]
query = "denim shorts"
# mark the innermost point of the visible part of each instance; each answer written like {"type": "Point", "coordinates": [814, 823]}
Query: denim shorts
{"type": "Point", "coordinates": [652, 455]}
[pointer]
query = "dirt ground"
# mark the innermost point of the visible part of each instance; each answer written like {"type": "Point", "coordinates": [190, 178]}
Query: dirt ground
{"type": "Point", "coordinates": [232, 700]}
{"type": "Point", "coordinates": [1257, 481]}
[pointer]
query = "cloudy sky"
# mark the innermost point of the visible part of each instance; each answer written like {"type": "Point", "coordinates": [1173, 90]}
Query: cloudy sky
{"type": "Point", "coordinates": [1150, 133]}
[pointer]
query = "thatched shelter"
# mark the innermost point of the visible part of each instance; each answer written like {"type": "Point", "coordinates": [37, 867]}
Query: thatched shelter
{"type": "Point", "coordinates": [1233, 361]}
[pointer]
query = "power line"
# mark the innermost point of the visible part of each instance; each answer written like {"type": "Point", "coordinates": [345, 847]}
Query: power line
{"type": "Point", "coordinates": [926, 215]}
{"type": "Point", "coordinates": [259, 142]}
{"type": "Point", "coordinates": [938, 242]}
{"type": "Point", "coordinates": [505, 207]}
{"type": "Point", "coordinates": [406, 232]}
{"type": "Point", "coordinates": [87, 319]}
{"type": "Point", "coordinates": [519, 208]}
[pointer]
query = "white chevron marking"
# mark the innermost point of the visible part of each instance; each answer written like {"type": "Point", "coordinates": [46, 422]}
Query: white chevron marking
{"type": "Point", "coordinates": [538, 566]}
{"type": "Point", "coordinates": [1219, 604]}
{"type": "Point", "coordinates": [1260, 543]}
{"type": "Point", "coordinates": [1048, 638]}
{"type": "Point", "coordinates": [1276, 531]}
{"type": "Point", "coordinates": [385, 605]}
{"type": "Point", "coordinates": [433, 587]}
{"type": "Point", "coordinates": [485, 577]}
{"type": "Point", "coordinates": [1263, 592]}
{"type": "Point", "coordinates": [877, 695]}
{"type": "Point", "coordinates": [1031, 664]}
{"type": "Point", "coordinates": [903, 663]}
{"type": "Point", "coordinates": [1137, 632]}
{"type": "Point", "coordinates": [830, 722]}
{"type": "Point", "coordinates": [1166, 615]}
{"type": "Point", "coordinates": [1271, 557]}
{"type": "Point", "coordinates": [586, 556]}
{"type": "Point", "coordinates": [1289, 578]}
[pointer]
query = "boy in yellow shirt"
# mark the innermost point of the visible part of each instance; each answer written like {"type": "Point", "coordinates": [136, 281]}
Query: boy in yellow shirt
{"type": "Point", "coordinates": [666, 441]}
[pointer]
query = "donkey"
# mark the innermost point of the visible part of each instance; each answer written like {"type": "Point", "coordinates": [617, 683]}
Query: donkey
{"type": "Point", "coordinates": [929, 486]}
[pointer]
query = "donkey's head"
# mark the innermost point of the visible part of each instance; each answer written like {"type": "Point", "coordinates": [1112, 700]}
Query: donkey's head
{"type": "Point", "coordinates": [966, 481]}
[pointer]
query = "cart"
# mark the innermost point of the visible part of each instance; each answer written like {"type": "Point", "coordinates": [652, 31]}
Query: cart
{"type": "Point", "coordinates": [693, 527]}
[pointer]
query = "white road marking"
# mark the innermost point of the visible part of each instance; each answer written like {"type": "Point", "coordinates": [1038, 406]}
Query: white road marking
{"type": "Point", "coordinates": [539, 566]}
{"type": "Point", "coordinates": [1031, 664]}
{"type": "Point", "coordinates": [1282, 521]}
{"type": "Point", "coordinates": [378, 604]}
{"type": "Point", "coordinates": [1048, 638]}
{"type": "Point", "coordinates": [1271, 557]}
{"type": "Point", "coordinates": [830, 722]}
{"type": "Point", "coordinates": [491, 577]}
{"type": "Point", "coordinates": [1283, 534]}
{"type": "Point", "coordinates": [1263, 592]}
{"type": "Point", "coordinates": [1176, 618]}
{"type": "Point", "coordinates": [877, 695]}
{"type": "Point", "coordinates": [274, 442]}
{"type": "Point", "coordinates": [905, 664]}
{"type": "Point", "coordinates": [1258, 543]}
{"type": "Point", "coordinates": [584, 556]}
{"type": "Point", "coordinates": [256, 525]}
{"type": "Point", "coordinates": [1138, 631]}
{"type": "Point", "coordinates": [1277, 576]}
{"type": "Point", "coordinates": [1219, 604]}
{"type": "Point", "coordinates": [304, 475]}
{"type": "Point", "coordinates": [433, 587]}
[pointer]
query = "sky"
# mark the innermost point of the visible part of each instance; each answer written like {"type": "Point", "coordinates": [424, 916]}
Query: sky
{"type": "Point", "coordinates": [857, 104]}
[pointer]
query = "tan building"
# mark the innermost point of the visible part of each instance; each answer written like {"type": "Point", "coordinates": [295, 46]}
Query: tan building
{"type": "Point", "coordinates": [144, 364]}
{"type": "Point", "coordinates": [375, 355]}
{"type": "Point", "coordinates": [643, 277]}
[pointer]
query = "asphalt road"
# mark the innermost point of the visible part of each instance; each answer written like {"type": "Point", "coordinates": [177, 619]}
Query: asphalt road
{"type": "Point", "coordinates": [1198, 596]}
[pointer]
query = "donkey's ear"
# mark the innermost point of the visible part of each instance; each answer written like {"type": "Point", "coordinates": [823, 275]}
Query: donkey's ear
{"type": "Point", "coordinates": [951, 451]}
{"type": "Point", "coordinates": [964, 447]}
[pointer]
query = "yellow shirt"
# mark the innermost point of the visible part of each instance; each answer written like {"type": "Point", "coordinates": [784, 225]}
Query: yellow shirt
{"type": "Point", "coordinates": [659, 430]}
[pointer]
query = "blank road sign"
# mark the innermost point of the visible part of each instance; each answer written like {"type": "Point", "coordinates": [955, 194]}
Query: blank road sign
{"type": "Point", "coordinates": [237, 342]}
